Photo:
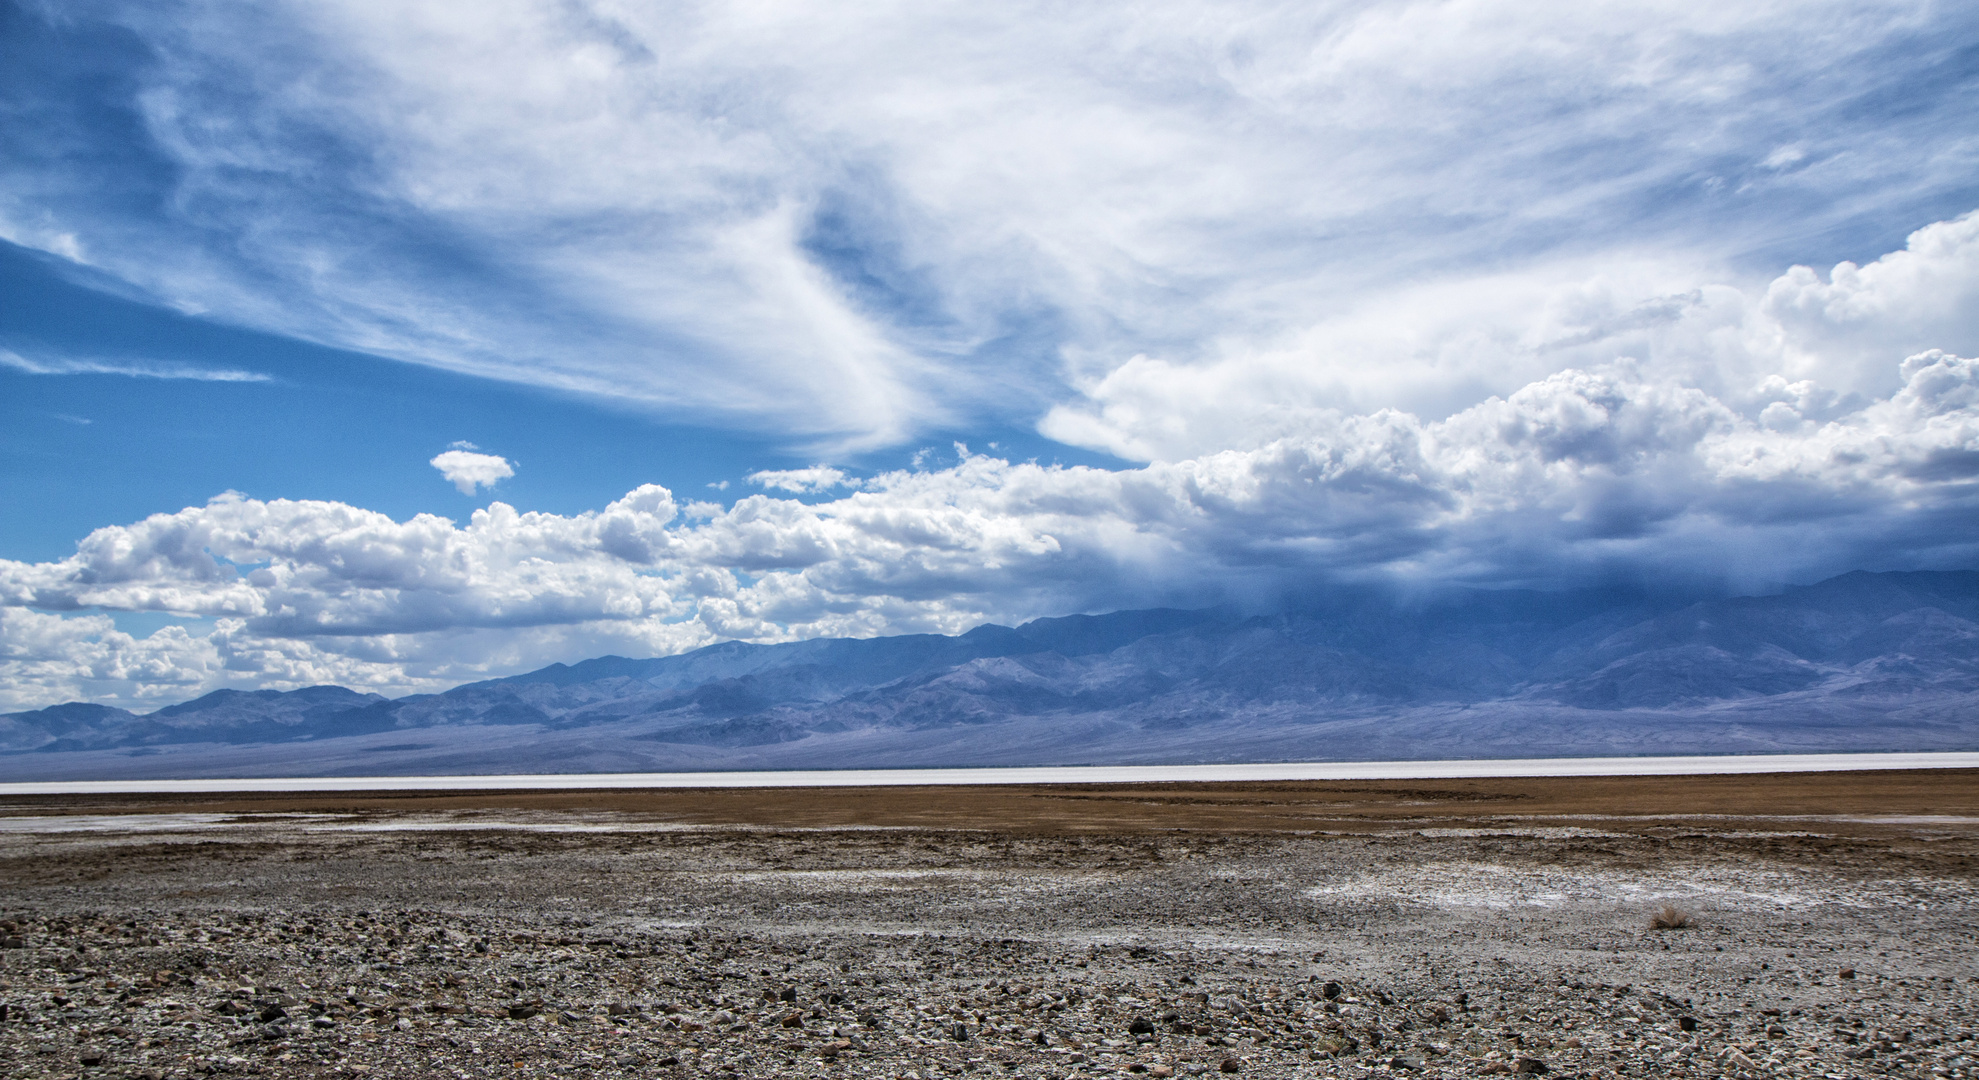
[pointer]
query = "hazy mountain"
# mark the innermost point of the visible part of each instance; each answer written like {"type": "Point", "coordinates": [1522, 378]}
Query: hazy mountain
{"type": "Point", "coordinates": [1859, 662]}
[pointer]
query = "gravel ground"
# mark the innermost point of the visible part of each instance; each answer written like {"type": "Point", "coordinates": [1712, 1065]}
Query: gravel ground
{"type": "Point", "coordinates": [537, 944]}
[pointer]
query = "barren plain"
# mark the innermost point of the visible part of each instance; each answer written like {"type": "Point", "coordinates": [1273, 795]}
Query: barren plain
{"type": "Point", "coordinates": [1824, 927]}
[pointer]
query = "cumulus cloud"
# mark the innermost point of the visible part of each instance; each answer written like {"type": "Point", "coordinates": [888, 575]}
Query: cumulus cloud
{"type": "Point", "coordinates": [468, 470]}
{"type": "Point", "coordinates": [1582, 475]}
{"type": "Point", "coordinates": [1440, 347]}
{"type": "Point", "coordinates": [849, 225]}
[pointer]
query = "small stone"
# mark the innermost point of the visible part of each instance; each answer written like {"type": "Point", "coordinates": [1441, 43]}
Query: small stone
{"type": "Point", "coordinates": [1845, 973]}
{"type": "Point", "coordinates": [1686, 1023]}
{"type": "Point", "coordinates": [1530, 1066]}
{"type": "Point", "coordinates": [1775, 1031]}
{"type": "Point", "coordinates": [1331, 990]}
{"type": "Point", "coordinates": [13, 941]}
{"type": "Point", "coordinates": [1230, 1065]}
{"type": "Point", "coordinates": [1141, 1026]}
{"type": "Point", "coordinates": [959, 1032]}
{"type": "Point", "coordinates": [515, 1012]}
{"type": "Point", "coordinates": [789, 994]}
{"type": "Point", "coordinates": [793, 1020]}
{"type": "Point", "coordinates": [91, 1058]}
{"type": "Point", "coordinates": [620, 1008]}
{"type": "Point", "coordinates": [1160, 1070]}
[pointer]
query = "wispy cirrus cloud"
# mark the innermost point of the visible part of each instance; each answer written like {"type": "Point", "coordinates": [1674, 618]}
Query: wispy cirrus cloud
{"type": "Point", "coordinates": [848, 226]}
{"type": "Point", "coordinates": [129, 369]}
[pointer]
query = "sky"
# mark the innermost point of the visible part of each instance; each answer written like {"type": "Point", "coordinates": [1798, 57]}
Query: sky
{"type": "Point", "coordinates": [397, 346]}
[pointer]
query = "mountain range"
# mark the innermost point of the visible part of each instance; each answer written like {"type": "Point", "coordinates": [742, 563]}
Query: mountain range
{"type": "Point", "coordinates": [1861, 662]}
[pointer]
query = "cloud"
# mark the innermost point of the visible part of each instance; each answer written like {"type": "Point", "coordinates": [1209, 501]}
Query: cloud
{"type": "Point", "coordinates": [467, 470]}
{"type": "Point", "coordinates": [816, 479]}
{"type": "Point", "coordinates": [847, 227]}
{"type": "Point", "coordinates": [1440, 347]}
{"type": "Point", "coordinates": [71, 366]}
{"type": "Point", "coordinates": [1582, 476]}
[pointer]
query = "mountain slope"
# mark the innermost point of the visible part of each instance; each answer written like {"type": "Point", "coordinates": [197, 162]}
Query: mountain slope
{"type": "Point", "coordinates": [1859, 662]}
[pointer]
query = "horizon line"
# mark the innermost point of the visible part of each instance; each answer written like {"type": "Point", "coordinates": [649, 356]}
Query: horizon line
{"type": "Point", "coordinates": [963, 776]}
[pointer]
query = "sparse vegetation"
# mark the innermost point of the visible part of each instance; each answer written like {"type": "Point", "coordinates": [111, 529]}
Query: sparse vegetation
{"type": "Point", "coordinates": [1671, 917]}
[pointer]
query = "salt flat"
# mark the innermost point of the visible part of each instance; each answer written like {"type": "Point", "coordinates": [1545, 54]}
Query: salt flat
{"type": "Point", "coordinates": [1721, 764]}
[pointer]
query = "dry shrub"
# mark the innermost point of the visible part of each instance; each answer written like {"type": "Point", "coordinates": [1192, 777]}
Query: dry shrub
{"type": "Point", "coordinates": [1671, 917]}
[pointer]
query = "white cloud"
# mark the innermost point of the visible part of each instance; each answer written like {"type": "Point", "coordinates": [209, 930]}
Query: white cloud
{"type": "Point", "coordinates": [848, 226]}
{"type": "Point", "coordinates": [1438, 348]}
{"type": "Point", "coordinates": [74, 366]}
{"type": "Point", "coordinates": [1585, 475]}
{"type": "Point", "coordinates": [467, 470]}
{"type": "Point", "coordinates": [817, 478]}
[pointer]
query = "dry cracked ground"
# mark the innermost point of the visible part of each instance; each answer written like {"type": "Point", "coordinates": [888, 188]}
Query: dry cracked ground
{"type": "Point", "coordinates": [1263, 931]}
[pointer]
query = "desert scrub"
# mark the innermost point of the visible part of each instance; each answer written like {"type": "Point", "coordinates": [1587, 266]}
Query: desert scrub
{"type": "Point", "coordinates": [1670, 917]}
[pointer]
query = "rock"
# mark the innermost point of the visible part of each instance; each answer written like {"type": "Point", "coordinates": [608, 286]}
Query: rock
{"type": "Point", "coordinates": [1686, 1023]}
{"type": "Point", "coordinates": [1530, 1066]}
{"type": "Point", "coordinates": [1160, 1070]}
{"type": "Point", "coordinates": [619, 1008]}
{"type": "Point", "coordinates": [793, 1020]}
{"type": "Point", "coordinates": [959, 1032]}
{"type": "Point", "coordinates": [91, 1058]}
{"type": "Point", "coordinates": [13, 941]}
{"type": "Point", "coordinates": [1845, 973]}
{"type": "Point", "coordinates": [1775, 1031]}
{"type": "Point", "coordinates": [515, 1012]}
{"type": "Point", "coordinates": [1141, 1026]}
{"type": "Point", "coordinates": [789, 994]}
{"type": "Point", "coordinates": [1331, 991]}
{"type": "Point", "coordinates": [1230, 1065]}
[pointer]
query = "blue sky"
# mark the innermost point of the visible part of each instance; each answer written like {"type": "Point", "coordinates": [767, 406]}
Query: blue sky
{"type": "Point", "coordinates": [783, 320]}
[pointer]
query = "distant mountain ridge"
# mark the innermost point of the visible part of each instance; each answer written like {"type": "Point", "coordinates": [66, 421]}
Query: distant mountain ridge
{"type": "Point", "coordinates": [1859, 662]}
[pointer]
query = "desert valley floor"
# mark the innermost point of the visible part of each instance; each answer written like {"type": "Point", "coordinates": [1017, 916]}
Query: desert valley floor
{"type": "Point", "coordinates": [1428, 928]}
